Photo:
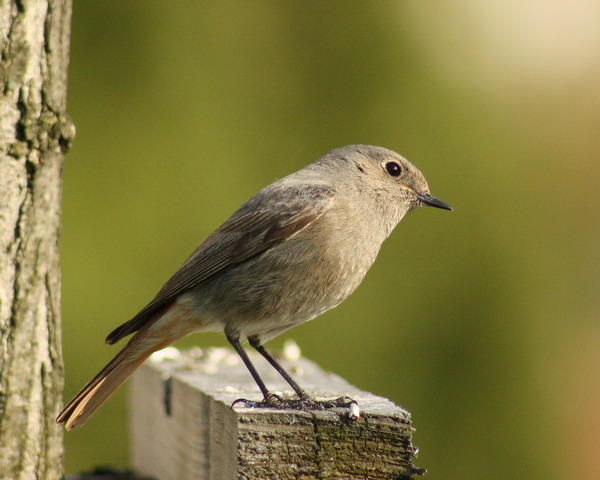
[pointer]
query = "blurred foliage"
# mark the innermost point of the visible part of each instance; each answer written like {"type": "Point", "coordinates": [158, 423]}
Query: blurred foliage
{"type": "Point", "coordinates": [482, 322]}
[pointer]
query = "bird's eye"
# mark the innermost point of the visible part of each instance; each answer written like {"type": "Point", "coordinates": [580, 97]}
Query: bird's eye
{"type": "Point", "coordinates": [393, 169]}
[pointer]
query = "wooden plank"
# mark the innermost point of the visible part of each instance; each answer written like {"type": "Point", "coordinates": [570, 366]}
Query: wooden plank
{"type": "Point", "coordinates": [183, 426]}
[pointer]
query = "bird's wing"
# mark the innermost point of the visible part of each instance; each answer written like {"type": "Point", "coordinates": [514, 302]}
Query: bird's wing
{"type": "Point", "coordinates": [267, 219]}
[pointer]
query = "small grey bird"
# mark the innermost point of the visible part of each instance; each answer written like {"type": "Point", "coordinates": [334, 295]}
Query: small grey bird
{"type": "Point", "coordinates": [293, 251]}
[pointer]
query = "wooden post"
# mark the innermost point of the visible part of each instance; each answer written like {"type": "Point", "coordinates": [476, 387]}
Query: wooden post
{"type": "Point", "coordinates": [183, 425]}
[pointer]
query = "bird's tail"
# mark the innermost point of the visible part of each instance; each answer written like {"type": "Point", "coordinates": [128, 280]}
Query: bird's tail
{"type": "Point", "coordinates": [97, 391]}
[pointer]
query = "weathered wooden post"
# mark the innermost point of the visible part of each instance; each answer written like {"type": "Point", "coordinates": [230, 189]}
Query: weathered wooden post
{"type": "Point", "coordinates": [183, 426]}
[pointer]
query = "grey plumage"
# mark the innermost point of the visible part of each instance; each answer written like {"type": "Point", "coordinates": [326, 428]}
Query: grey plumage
{"type": "Point", "coordinates": [293, 251]}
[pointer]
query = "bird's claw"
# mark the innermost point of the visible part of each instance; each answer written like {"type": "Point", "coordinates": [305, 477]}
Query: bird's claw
{"type": "Point", "coordinates": [304, 403]}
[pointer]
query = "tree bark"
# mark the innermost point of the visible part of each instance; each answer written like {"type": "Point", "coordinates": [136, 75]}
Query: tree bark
{"type": "Point", "coordinates": [35, 134]}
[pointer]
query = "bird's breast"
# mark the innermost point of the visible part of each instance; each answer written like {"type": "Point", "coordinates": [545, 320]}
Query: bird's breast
{"type": "Point", "coordinates": [296, 280]}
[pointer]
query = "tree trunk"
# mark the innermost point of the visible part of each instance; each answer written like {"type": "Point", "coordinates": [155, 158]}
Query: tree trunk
{"type": "Point", "coordinates": [35, 134]}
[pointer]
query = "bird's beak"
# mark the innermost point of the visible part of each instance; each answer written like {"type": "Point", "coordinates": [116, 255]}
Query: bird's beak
{"type": "Point", "coordinates": [430, 201]}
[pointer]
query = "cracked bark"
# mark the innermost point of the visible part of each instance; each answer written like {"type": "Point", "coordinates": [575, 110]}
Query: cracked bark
{"type": "Point", "coordinates": [35, 134]}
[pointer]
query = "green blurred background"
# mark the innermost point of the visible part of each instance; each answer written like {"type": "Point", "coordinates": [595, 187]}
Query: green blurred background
{"type": "Point", "coordinates": [482, 322]}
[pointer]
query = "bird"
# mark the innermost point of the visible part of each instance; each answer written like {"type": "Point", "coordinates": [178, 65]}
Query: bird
{"type": "Point", "coordinates": [293, 251]}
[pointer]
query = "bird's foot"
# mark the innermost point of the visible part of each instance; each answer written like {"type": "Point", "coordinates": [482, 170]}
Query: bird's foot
{"type": "Point", "coordinates": [304, 403]}
{"type": "Point", "coordinates": [272, 400]}
{"type": "Point", "coordinates": [340, 402]}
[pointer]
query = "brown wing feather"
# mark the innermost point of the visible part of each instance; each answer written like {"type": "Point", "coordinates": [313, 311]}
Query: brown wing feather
{"type": "Point", "coordinates": [267, 219]}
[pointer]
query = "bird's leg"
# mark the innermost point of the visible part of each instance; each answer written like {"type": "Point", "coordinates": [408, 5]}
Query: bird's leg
{"type": "Point", "coordinates": [305, 400]}
{"type": "Point", "coordinates": [304, 397]}
{"type": "Point", "coordinates": [235, 342]}
{"type": "Point", "coordinates": [270, 399]}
